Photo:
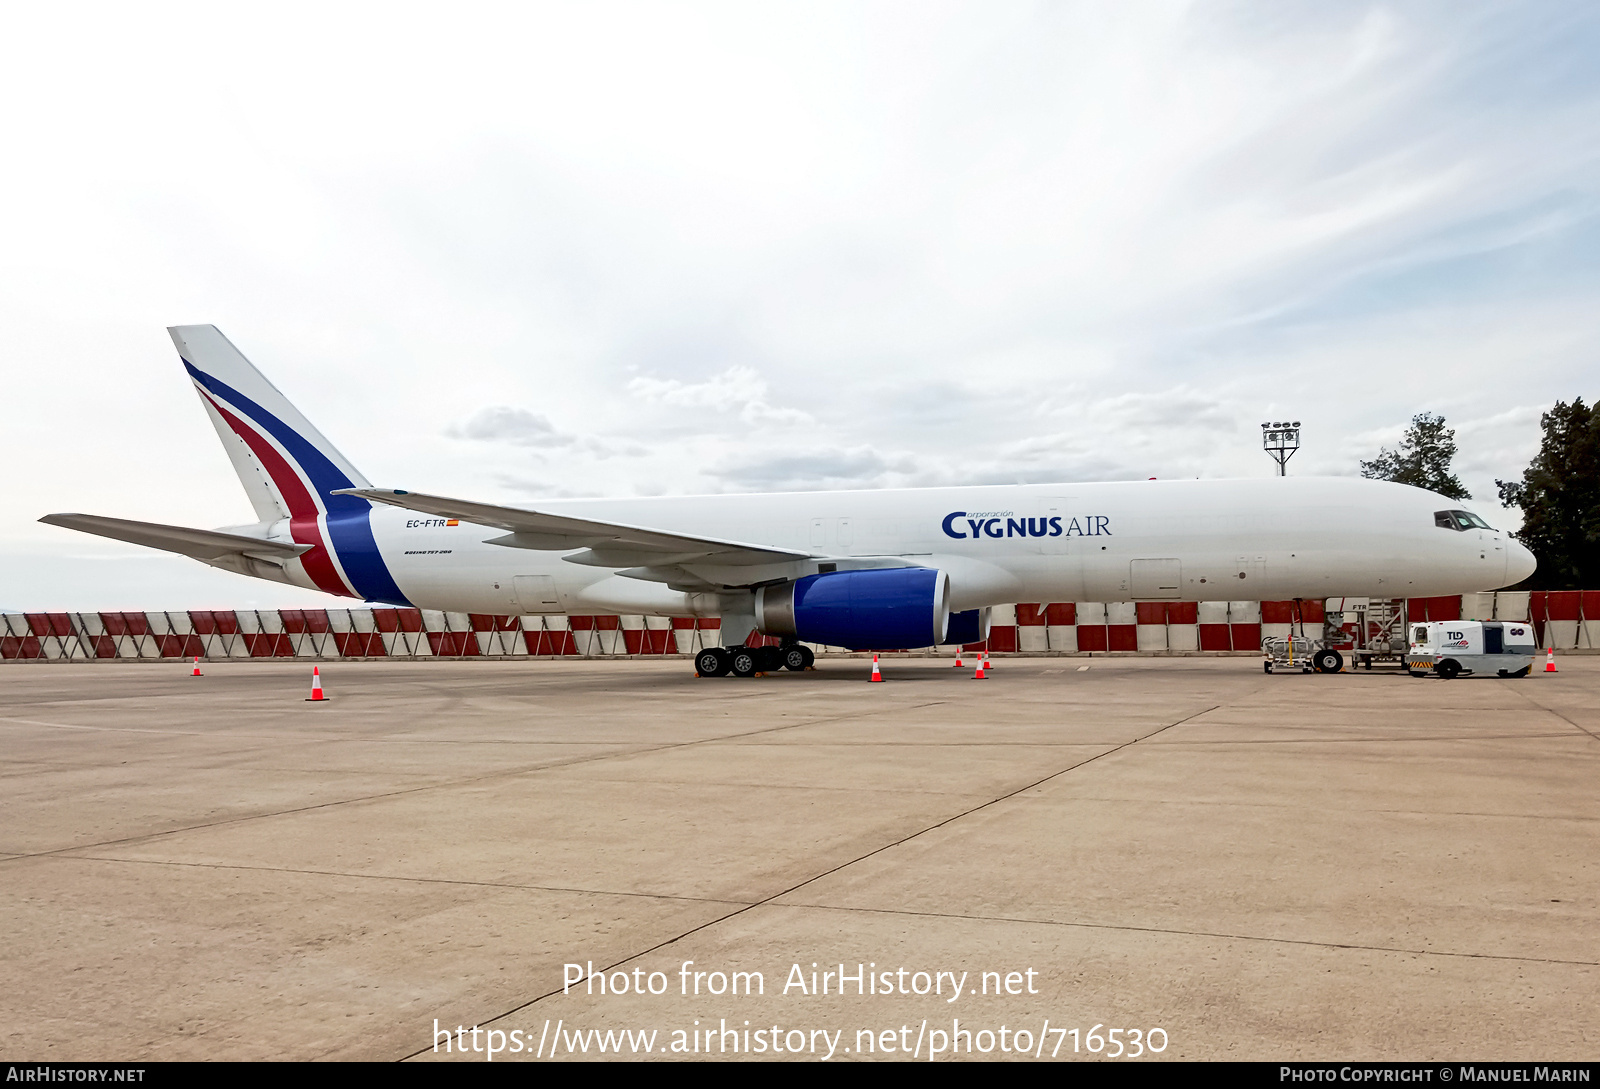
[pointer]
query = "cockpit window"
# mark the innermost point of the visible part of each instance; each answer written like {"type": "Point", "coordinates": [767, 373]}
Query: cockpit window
{"type": "Point", "coordinates": [1459, 520]}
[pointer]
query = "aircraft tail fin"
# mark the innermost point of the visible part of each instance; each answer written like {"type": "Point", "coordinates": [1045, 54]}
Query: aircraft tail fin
{"type": "Point", "coordinates": [288, 469]}
{"type": "Point", "coordinates": [249, 413]}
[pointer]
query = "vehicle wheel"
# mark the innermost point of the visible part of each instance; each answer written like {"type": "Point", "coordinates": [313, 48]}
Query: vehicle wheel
{"type": "Point", "coordinates": [711, 662]}
{"type": "Point", "coordinates": [796, 657]}
{"type": "Point", "coordinates": [1266, 667]}
{"type": "Point", "coordinates": [742, 662]}
{"type": "Point", "coordinates": [1449, 669]}
{"type": "Point", "coordinates": [1328, 661]}
{"type": "Point", "coordinates": [1523, 672]}
{"type": "Point", "coordinates": [769, 659]}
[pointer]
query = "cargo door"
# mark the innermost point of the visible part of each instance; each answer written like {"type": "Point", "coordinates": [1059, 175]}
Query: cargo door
{"type": "Point", "coordinates": [537, 594]}
{"type": "Point", "coordinates": [1155, 580]}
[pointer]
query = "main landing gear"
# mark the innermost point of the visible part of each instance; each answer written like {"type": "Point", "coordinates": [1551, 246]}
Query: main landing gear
{"type": "Point", "coordinates": [748, 661]}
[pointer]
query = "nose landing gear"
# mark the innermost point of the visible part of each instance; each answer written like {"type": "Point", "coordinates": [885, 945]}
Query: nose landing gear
{"type": "Point", "coordinates": [1327, 660]}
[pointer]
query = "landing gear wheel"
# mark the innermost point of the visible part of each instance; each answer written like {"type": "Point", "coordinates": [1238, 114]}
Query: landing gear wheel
{"type": "Point", "coordinates": [769, 659]}
{"type": "Point", "coordinates": [1449, 669]}
{"type": "Point", "coordinates": [797, 658]}
{"type": "Point", "coordinates": [742, 662]}
{"type": "Point", "coordinates": [711, 662]}
{"type": "Point", "coordinates": [1327, 661]}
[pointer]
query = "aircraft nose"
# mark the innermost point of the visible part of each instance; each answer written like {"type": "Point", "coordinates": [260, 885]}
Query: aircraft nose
{"type": "Point", "coordinates": [1519, 563]}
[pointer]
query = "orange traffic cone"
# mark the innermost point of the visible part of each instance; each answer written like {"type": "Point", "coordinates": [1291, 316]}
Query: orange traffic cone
{"type": "Point", "coordinates": [980, 675]}
{"type": "Point", "coordinates": [316, 687]}
{"type": "Point", "coordinates": [877, 675]}
{"type": "Point", "coordinates": [196, 672]}
{"type": "Point", "coordinates": [987, 665]}
{"type": "Point", "coordinates": [1550, 659]}
{"type": "Point", "coordinates": [958, 664]}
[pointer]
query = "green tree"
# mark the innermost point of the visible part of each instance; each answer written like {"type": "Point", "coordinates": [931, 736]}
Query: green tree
{"type": "Point", "coordinates": [1423, 459]}
{"type": "Point", "coordinates": [1559, 494]}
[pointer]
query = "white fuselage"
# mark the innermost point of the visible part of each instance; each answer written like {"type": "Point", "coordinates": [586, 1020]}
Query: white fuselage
{"type": "Point", "coordinates": [1188, 540]}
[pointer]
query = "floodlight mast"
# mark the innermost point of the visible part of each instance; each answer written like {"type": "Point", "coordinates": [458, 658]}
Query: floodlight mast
{"type": "Point", "coordinates": [1281, 440]}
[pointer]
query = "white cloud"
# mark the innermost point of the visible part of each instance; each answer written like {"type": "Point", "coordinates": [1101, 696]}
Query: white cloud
{"type": "Point", "coordinates": [501, 423]}
{"type": "Point", "coordinates": [857, 467]}
{"type": "Point", "coordinates": [738, 389]}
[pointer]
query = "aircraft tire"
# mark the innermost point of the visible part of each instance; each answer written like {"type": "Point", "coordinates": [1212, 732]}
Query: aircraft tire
{"type": "Point", "coordinates": [769, 659]}
{"type": "Point", "coordinates": [743, 662]}
{"type": "Point", "coordinates": [796, 657]}
{"type": "Point", "coordinates": [711, 662]}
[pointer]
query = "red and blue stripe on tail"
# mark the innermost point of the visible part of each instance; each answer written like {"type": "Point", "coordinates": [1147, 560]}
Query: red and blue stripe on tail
{"type": "Point", "coordinates": [288, 468]}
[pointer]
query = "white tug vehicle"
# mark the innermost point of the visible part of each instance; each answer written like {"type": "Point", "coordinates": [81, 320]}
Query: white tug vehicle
{"type": "Point", "coordinates": [1450, 648]}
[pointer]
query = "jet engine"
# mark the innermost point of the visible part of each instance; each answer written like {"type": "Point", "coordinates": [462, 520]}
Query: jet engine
{"type": "Point", "coordinates": [894, 608]}
{"type": "Point", "coordinates": [971, 626]}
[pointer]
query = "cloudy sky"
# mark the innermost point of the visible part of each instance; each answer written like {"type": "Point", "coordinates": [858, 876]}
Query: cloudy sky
{"type": "Point", "coordinates": [505, 252]}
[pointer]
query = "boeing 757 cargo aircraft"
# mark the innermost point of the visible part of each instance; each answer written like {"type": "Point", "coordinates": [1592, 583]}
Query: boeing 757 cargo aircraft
{"type": "Point", "coordinates": [881, 569]}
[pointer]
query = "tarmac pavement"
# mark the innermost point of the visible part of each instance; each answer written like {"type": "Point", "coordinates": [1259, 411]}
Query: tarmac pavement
{"type": "Point", "coordinates": [1362, 866]}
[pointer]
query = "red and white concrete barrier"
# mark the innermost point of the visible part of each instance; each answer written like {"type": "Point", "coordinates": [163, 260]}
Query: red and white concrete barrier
{"type": "Point", "coordinates": [1565, 619]}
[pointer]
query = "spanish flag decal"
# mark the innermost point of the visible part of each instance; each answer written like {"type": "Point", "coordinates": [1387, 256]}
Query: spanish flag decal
{"type": "Point", "coordinates": [453, 522]}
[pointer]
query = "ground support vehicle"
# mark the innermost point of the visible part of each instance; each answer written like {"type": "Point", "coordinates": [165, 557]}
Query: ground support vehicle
{"type": "Point", "coordinates": [1451, 648]}
{"type": "Point", "coordinates": [1299, 654]}
{"type": "Point", "coordinates": [1379, 633]}
{"type": "Point", "coordinates": [1292, 655]}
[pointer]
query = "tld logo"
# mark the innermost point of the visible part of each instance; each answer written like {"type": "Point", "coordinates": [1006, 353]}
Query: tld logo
{"type": "Point", "coordinates": [1000, 525]}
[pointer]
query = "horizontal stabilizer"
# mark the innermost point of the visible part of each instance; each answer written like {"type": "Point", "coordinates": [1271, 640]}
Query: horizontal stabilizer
{"type": "Point", "coordinates": [613, 545]}
{"type": "Point", "coordinates": [205, 545]}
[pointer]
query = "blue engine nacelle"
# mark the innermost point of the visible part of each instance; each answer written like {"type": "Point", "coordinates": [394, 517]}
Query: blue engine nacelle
{"type": "Point", "coordinates": [971, 626]}
{"type": "Point", "coordinates": [895, 608]}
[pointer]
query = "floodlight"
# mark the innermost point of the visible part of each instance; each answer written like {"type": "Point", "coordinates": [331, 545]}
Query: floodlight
{"type": "Point", "coordinates": [1281, 439]}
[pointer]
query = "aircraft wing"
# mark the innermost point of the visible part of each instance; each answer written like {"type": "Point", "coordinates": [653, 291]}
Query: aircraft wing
{"type": "Point", "coordinates": [609, 544]}
{"type": "Point", "coordinates": [204, 545]}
